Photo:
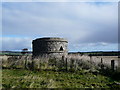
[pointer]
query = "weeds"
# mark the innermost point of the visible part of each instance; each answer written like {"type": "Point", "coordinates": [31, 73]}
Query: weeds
{"type": "Point", "coordinates": [69, 63]}
{"type": "Point", "coordinates": [52, 79]}
{"type": "Point", "coordinates": [81, 65]}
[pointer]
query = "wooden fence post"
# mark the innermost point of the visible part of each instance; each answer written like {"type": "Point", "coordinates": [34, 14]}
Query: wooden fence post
{"type": "Point", "coordinates": [101, 61]}
{"type": "Point", "coordinates": [66, 64]}
{"type": "Point", "coordinates": [102, 65]}
{"type": "Point", "coordinates": [32, 65]}
{"type": "Point", "coordinates": [90, 57]}
{"type": "Point", "coordinates": [71, 64]}
{"type": "Point", "coordinates": [113, 64]}
{"type": "Point", "coordinates": [118, 64]}
{"type": "Point", "coordinates": [39, 65]}
{"type": "Point", "coordinates": [25, 63]}
{"type": "Point", "coordinates": [63, 64]}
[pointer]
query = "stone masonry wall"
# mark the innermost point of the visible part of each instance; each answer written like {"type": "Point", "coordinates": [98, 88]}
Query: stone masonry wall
{"type": "Point", "coordinates": [50, 46]}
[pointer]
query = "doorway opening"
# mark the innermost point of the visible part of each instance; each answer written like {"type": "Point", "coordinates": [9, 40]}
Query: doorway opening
{"type": "Point", "coordinates": [61, 48]}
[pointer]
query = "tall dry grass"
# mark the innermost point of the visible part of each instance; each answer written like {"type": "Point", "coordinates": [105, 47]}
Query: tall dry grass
{"type": "Point", "coordinates": [71, 62]}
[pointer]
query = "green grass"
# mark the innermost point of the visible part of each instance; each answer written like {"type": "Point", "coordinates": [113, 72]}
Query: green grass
{"type": "Point", "coordinates": [18, 78]}
{"type": "Point", "coordinates": [14, 54]}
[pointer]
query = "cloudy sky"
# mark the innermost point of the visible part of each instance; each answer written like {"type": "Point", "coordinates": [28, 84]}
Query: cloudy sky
{"type": "Point", "coordinates": [88, 26]}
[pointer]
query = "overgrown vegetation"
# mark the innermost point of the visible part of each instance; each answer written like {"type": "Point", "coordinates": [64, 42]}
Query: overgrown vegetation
{"type": "Point", "coordinates": [14, 78]}
{"type": "Point", "coordinates": [71, 72]}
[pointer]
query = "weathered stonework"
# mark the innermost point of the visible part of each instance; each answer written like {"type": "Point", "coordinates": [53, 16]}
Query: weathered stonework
{"type": "Point", "coordinates": [53, 47]}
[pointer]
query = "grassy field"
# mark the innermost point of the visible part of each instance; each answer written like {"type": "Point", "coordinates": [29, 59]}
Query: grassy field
{"type": "Point", "coordinates": [18, 78]}
{"type": "Point", "coordinates": [74, 72]}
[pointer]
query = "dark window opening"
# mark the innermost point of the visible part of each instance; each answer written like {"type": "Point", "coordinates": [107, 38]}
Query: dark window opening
{"type": "Point", "coordinates": [61, 48]}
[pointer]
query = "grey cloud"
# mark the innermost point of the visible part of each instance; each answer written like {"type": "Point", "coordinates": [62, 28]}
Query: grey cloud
{"type": "Point", "coordinates": [12, 43]}
{"type": "Point", "coordinates": [79, 22]}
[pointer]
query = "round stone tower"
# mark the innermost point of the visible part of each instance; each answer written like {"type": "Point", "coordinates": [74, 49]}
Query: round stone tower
{"type": "Point", "coordinates": [53, 47]}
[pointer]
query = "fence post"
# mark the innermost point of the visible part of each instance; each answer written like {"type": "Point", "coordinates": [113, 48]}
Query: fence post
{"type": "Point", "coordinates": [90, 57]}
{"type": "Point", "coordinates": [71, 64]}
{"type": "Point", "coordinates": [63, 59]}
{"type": "Point", "coordinates": [101, 60]}
{"type": "Point", "coordinates": [32, 65]}
{"type": "Point", "coordinates": [66, 64]}
{"type": "Point", "coordinates": [113, 64]}
{"type": "Point", "coordinates": [118, 64]}
{"type": "Point", "coordinates": [39, 65]}
{"type": "Point", "coordinates": [25, 63]}
{"type": "Point", "coordinates": [102, 66]}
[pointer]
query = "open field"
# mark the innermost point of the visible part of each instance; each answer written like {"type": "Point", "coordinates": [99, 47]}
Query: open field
{"type": "Point", "coordinates": [14, 78]}
{"type": "Point", "coordinates": [75, 71]}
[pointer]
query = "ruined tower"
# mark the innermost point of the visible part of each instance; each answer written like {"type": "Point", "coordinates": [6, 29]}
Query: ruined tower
{"type": "Point", "coordinates": [52, 46]}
